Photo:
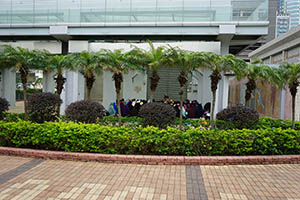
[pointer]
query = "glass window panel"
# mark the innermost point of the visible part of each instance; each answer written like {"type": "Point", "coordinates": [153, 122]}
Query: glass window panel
{"type": "Point", "coordinates": [22, 11]}
{"type": "Point", "coordinates": [143, 11]}
{"type": "Point", "coordinates": [198, 10]}
{"type": "Point", "coordinates": [118, 11]}
{"type": "Point", "coordinates": [46, 11]}
{"type": "Point", "coordinates": [69, 11]}
{"type": "Point", "coordinates": [93, 11]}
{"type": "Point", "coordinates": [169, 10]}
{"type": "Point", "coordinates": [5, 12]}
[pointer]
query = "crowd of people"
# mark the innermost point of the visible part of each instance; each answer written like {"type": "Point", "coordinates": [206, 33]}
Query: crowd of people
{"type": "Point", "coordinates": [191, 109]}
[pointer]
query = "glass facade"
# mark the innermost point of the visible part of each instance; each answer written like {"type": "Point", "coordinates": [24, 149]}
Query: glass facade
{"type": "Point", "coordinates": [14, 12]}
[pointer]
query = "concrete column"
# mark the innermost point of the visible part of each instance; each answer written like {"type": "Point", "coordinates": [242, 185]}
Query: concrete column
{"type": "Point", "coordinates": [73, 89]}
{"type": "Point", "coordinates": [8, 86]}
{"type": "Point", "coordinates": [48, 81]}
{"type": "Point", "coordinates": [74, 86]}
{"type": "Point", "coordinates": [109, 91]}
{"type": "Point", "coordinates": [223, 93]}
{"type": "Point", "coordinates": [223, 87]}
{"type": "Point", "coordinates": [282, 103]}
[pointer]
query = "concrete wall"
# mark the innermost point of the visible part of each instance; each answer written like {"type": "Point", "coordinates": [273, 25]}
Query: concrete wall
{"type": "Point", "coordinates": [135, 83]}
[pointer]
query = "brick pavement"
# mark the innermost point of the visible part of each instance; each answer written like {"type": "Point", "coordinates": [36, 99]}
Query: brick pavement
{"type": "Point", "coordinates": [52, 179]}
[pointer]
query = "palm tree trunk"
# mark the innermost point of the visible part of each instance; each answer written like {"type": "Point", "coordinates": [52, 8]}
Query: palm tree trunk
{"type": "Point", "coordinates": [60, 81]}
{"type": "Point", "coordinates": [153, 84]}
{"type": "Point", "coordinates": [215, 77]}
{"type": "Point", "coordinates": [118, 78]}
{"type": "Point", "coordinates": [119, 108]}
{"type": "Point", "coordinates": [293, 110]}
{"type": "Point", "coordinates": [88, 94]}
{"type": "Point", "coordinates": [89, 81]}
{"type": "Point", "coordinates": [181, 105]}
{"type": "Point", "coordinates": [251, 86]}
{"type": "Point", "coordinates": [25, 102]}
{"type": "Point", "coordinates": [151, 95]}
{"type": "Point", "coordinates": [24, 73]}
{"type": "Point", "coordinates": [212, 116]}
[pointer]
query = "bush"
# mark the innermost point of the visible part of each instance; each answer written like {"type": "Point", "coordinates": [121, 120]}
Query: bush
{"type": "Point", "coordinates": [157, 114]}
{"type": "Point", "coordinates": [238, 117]}
{"type": "Point", "coordinates": [13, 117]}
{"type": "Point", "coordinates": [85, 111]}
{"type": "Point", "coordinates": [30, 92]}
{"type": "Point", "coordinates": [43, 107]}
{"type": "Point", "coordinates": [74, 137]}
{"type": "Point", "coordinates": [4, 105]}
{"type": "Point", "coordinates": [267, 122]}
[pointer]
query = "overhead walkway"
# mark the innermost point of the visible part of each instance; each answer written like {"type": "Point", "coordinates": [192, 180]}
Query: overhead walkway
{"type": "Point", "coordinates": [237, 23]}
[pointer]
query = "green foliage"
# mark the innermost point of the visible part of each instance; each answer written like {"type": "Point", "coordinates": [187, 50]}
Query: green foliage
{"type": "Point", "coordinates": [43, 107]}
{"type": "Point", "coordinates": [13, 117]}
{"type": "Point", "coordinates": [239, 116]}
{"type": "Point", "coordinates": [30, 92]}
{"type": "Point", "coordinates": [73, 137]}
{"type": "Point", "coordinates": [85, 111]}
{"type": "Point", "coordinates": [267, 122]}
{"type": "Point", "coordinates": [4, 105]}
{"type": "Point", "coordinates": [157, 114]}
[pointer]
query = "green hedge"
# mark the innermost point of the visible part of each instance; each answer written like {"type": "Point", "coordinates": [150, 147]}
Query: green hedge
{"type": "Point", "coordinates": [30, 91]}
{"type": "Point", "coordinates": [264, 122]}
{"type": "Point", "coordinates": [74, 137]}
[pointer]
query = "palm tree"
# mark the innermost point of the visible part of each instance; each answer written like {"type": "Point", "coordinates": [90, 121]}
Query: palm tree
{"type": "Point", "coordinates": [119, 63]}
{"type": "Point", "coordinates": [156, 59]}
{"type": "Point", "coordinates": [253, 72]}
{"type": "Point", "coordinates": [186, 62]}
{"type": "Point", "coordinates": [218, 64]}
{"type": "Point", "coordinates": [289, 74]}
{"type": "Point", "coordinates": [88, 64]}
{"type": "Point", "coordinates": [59, 63]}
{"type": "Point", "coordinates": [22, 60]}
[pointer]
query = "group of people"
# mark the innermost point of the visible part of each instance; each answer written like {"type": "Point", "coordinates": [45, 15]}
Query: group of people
{"type": "Point", "coordinates": [129, 107]}
{"type": "Point", "coordinates": [191, 109]}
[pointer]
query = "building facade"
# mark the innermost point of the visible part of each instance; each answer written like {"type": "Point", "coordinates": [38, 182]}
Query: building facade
{"type": "Point", "coordinates": [282, 24]}
{"type": "Point", "coordinates": [267, 99]}
{"type": "Point", "coordinates": [293, 10]}
{"type": "Point", "coordinates": [77, 25]}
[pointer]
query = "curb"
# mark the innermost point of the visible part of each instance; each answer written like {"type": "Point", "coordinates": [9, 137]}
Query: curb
{"type": "Point", "coordinates": [152, 160]}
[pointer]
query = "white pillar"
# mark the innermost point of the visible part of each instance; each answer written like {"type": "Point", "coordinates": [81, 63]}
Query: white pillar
{"type": "Point", "coordinates": [282, 103]}
{"type": "Point", "coordinates": [8, 86]}
{"type": "Point", "coordinates": [223, 87]}
{"type": "Point", "coordinates": [48, 81]}
{"type": "Point", "coordinates": [109, 91]}
{"type": "Point", "coordinates": [73, 89]}
{"type": "Point", "coordinates": [74, 85]}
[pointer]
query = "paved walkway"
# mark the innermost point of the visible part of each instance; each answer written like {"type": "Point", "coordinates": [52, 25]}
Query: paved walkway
{"type": "Point", "coordinates": [25, 178]}
{"type": "Point", "coordinates": [19, 108]}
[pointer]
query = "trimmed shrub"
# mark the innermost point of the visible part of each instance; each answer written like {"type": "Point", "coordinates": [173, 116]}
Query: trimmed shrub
{"type": "Point", "coordinates": [43, 107]}
{"type": "Point", "coordinates": [13, 117]}
{"type": "Point", "coordinates": [157, 114]}
{"type": "Point", "coordinates": [4, 105]}
{"type": "Point", "coordinates": [73, 137]}
{"type": "Point", "coordinates": [238, 117]}
{"type": "Point", "coordinates": [85, 111]}
{"type": "Point", "coordinates": [267, 122]}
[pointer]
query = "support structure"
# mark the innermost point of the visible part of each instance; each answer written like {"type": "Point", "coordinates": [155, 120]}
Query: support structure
{"type": "Point", "coordinates": [226, 34]}
{"type": "Point", "coordinates": [8, 86]}
{"type": "Point", "coordinates": [74, 86]}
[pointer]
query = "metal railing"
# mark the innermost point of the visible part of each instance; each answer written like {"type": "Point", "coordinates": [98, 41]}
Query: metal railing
{"type": "Point", "coordinates": [32, 12]}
